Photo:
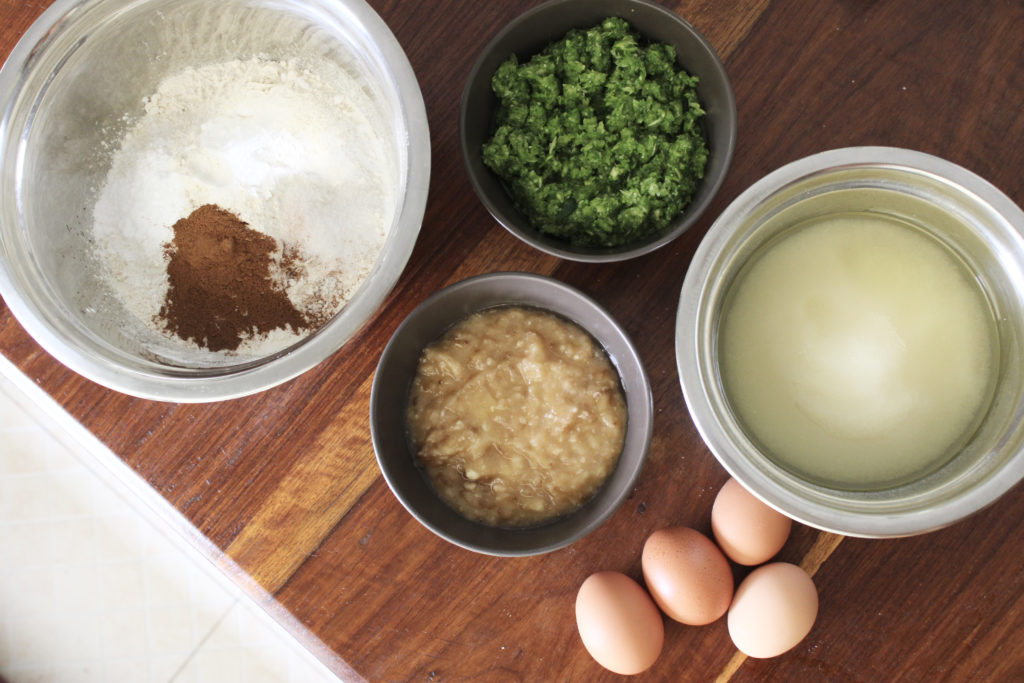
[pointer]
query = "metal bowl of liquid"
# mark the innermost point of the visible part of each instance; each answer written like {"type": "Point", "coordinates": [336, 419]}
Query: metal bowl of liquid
{"type": "Point", "coordinates": [850, 337]}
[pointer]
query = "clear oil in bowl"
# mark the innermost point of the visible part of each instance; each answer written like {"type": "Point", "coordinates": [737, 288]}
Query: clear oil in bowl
{"type": "Point", "coordinates": [858, 350]}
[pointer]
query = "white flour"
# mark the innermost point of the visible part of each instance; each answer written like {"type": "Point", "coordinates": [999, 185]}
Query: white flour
{"type": "Point", "coordinates": [290, 151]}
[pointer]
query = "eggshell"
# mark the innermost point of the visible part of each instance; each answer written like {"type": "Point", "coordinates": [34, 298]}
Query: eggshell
{"type": "Point", "coordinates": [747, 530]}
{"type": "Point", "coordinates": [620, 626]}
{"type": "Point", "coordinates": [687, 575]}
{"type": "Point", "coordinates": [774, 609]}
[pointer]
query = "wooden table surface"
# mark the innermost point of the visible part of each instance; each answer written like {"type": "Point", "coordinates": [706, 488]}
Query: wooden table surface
{"type": "Point", "coordinates": [285, 483]}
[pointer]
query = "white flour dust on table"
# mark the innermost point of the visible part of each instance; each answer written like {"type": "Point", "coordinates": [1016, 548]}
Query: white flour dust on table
{"type": "Point", "coordinates": [291, 151]}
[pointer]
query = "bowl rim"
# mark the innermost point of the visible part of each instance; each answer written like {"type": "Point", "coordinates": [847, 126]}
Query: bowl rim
{"type": "Point", "coordinates": [642, 423]}
{"type": "Point", "coordinates": [693, 211]}
{"type": "Point", "coordinates": [693, 380]}
{"type": "Point", "coordinates": [249, 376]}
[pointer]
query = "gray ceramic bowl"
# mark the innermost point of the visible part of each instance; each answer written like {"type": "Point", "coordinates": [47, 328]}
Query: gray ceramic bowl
{"type": "Point", "coordinates": [544, 24]}
{"type": "Point", "coordinates": [977, 222]}
{"type": "Point", "coordinates": [390, 397]}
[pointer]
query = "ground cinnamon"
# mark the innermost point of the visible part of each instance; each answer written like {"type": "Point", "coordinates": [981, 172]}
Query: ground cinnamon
{"type": "Point", "coordinates": [222, 289]}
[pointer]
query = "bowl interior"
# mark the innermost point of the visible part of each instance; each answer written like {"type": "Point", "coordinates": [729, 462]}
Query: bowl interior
{"type": "Point", "coordinates": [534, 30]}
{"type": "Point", "coordinates": [390, 398]}
{"type": "Point", "coordinates": [74, 85]}
{"type": "Point", "coordinates": [976, 224]}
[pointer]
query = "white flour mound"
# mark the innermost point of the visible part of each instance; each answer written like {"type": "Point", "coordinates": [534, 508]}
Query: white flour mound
{"type": "Point", "coordinates": [290, 151]}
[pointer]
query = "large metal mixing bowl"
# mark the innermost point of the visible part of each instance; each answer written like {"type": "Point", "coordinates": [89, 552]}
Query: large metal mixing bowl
{"type": "Point", "coordinates": [978, 224]}
{"type": "Point", "coordinates": [77, 75]}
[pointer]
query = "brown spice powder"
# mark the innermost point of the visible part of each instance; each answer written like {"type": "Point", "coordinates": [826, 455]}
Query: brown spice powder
{"type": "Point", "coordinates": [221, 287]}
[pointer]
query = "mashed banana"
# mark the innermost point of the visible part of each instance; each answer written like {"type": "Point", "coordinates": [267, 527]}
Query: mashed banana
{"type": "Point", "coordinates": [518, 416]}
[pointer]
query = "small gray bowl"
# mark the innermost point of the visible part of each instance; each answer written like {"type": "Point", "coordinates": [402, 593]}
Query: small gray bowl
{"type": "Point", "coordinates": [529, 34]}
{"type": "Point", "coordinates": [389, 399]}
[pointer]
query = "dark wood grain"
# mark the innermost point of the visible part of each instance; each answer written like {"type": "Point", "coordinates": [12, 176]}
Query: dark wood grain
{"type": "Point", "coordinates": [285, 483]}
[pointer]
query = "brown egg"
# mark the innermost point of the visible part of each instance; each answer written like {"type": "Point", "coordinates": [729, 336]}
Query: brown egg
{"type": "Point", "coordinates": [619, 624]}
{"type": "Point", "coordinates": [687, 575]}
{"type": "Point", "coordinates": [774, 609]}
{"type": "Point", "coordinates": [747, 530]}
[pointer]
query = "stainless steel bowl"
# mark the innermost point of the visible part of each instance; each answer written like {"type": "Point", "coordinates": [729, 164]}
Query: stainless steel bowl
{"type": "Point", "coordinates": [531, 32]}
{"type": "Point", "coordinates": [961, 210]}
{"type": "Point", "coordinates": [389, 401]}
{"type": "Point", "coordinates": [74, 76]}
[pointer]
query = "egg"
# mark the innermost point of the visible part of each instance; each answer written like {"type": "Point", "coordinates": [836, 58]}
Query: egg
{"type": "Point", "coordinates": [773, 610]}
{"type": "Point", "coordinates": [620, 625]}
{"type": "Point", "coordinates": [747, 530]}
{"type": "Point", "coordinates": [687, 575]}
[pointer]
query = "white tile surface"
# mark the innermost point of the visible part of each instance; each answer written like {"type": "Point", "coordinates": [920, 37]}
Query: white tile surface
{"type": "Point", "coordinates": [97, 585]}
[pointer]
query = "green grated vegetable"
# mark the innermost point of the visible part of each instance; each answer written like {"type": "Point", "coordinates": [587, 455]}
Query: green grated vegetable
{"type": "Point", "coordinates": [598, 137]}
